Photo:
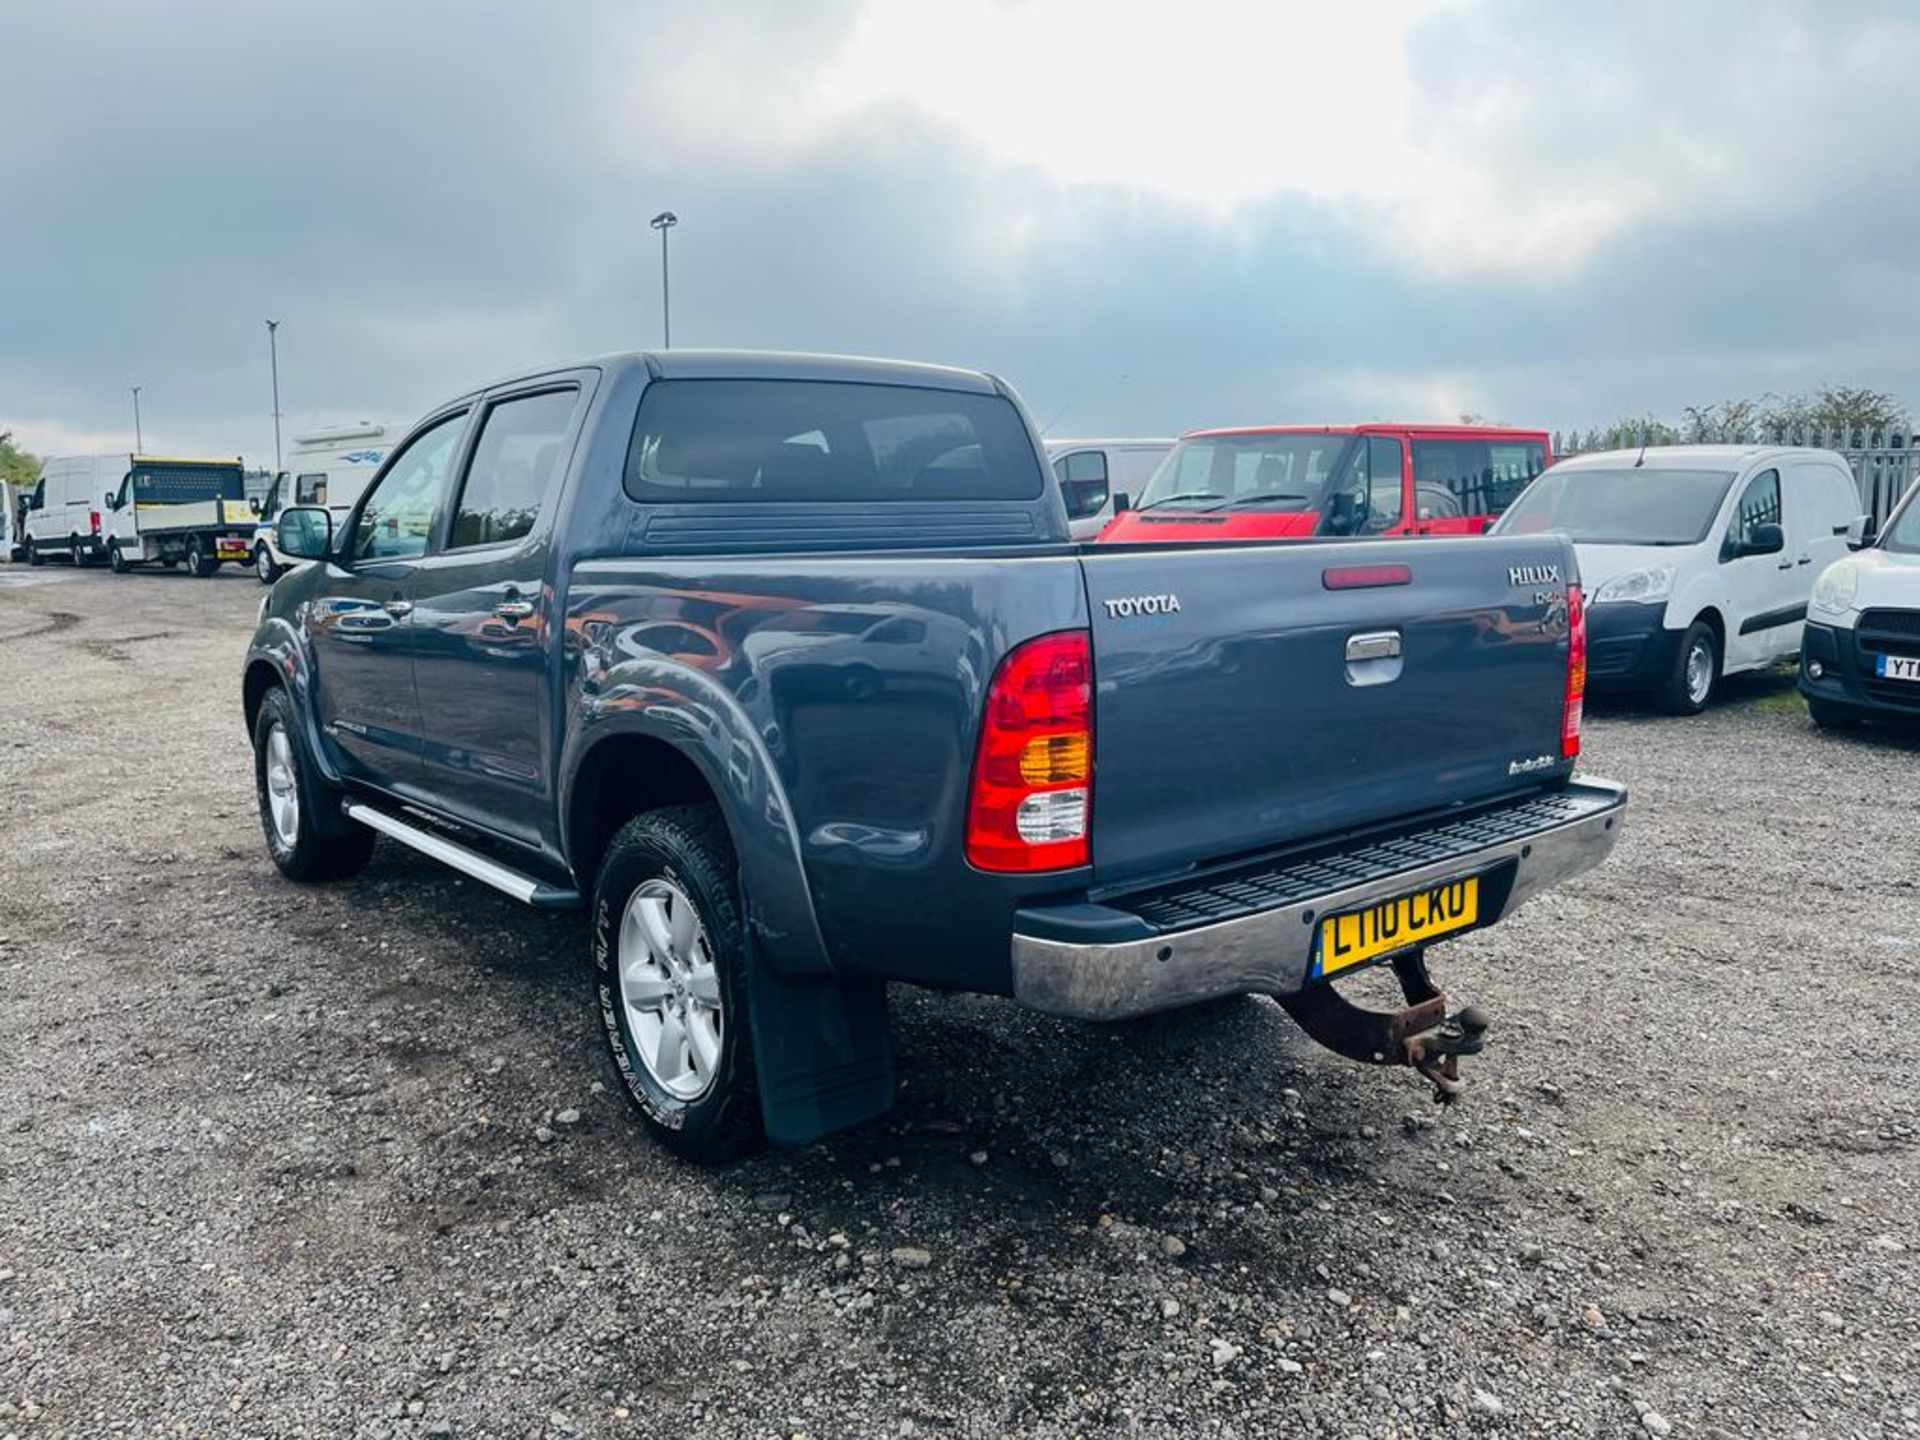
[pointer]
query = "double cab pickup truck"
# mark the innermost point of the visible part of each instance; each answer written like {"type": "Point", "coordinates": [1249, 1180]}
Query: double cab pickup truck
{"type": "Point", "coordinates": [786, 670]}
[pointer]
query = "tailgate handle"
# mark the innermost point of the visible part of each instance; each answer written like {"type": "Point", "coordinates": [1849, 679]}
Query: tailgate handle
{"type": "Point", "coordinates": [1373, 645]}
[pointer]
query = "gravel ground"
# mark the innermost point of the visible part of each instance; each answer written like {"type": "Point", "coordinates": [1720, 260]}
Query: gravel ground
{"type": "Point", "coordinates": [332, 1161]}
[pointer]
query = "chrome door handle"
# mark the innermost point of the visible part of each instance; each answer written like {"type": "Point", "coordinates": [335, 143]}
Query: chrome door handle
{"type": "Point", "coordinates": [399, 609]}
{"type": "Point", "coordinates": [514, 609]}
{"type": "Point", "coordinates": [1375, 645]}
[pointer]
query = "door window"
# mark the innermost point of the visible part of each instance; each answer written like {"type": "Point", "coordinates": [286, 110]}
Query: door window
{"type": "Point", "coordinates": [310, 489]}
{"type": "Point", "coordinates": [397, 519]}
{"type": "Point", "coordinates": [514, 462]}
{"type": "Point", "coordinates": [1383, 482]}
{"type": "Point", "coordinates": [1759, 505]}
{"type": "Point", "coordinates": [1083, 482]}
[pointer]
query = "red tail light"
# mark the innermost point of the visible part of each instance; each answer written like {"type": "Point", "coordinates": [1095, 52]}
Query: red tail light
{"type": "Point", "coordinates": [93, 519]}
{"type": "Point", "coordinates": [1576, 673]}
{"type": "Point", "coordinates": [1032, 801]}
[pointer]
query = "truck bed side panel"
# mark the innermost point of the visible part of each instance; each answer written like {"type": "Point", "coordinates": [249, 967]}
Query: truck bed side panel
{"type": "Point", "coordinates": [862, 679]}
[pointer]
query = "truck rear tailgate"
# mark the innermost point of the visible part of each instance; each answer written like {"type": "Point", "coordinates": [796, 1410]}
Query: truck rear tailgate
{"type": "Point", "coordinates": [1248, 697]}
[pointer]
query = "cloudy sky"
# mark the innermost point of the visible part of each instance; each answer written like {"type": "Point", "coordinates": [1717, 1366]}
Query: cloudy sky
{"type": "Point", "coordinates": [1146, 216]}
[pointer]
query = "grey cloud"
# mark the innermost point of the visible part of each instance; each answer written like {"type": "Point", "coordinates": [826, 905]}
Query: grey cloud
{"type": "Point", "coordinates": [429, 196]}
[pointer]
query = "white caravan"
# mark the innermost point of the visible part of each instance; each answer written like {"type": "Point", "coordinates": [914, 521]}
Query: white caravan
{"type": "Point", "coordinates": [1092, 472]}
{"type": "Point", "coordinates": [328, 467]}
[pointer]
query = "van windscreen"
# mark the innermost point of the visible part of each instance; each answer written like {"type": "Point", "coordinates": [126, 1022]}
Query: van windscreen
{"type": "Point", "coordinates": [1619, 507]}
{"type": "Point", "coordinates": [1254, 470]}
{"type": "Point", "coordinates": [815, 440]}
{"type": "Point", "coordinates": [185, 484]}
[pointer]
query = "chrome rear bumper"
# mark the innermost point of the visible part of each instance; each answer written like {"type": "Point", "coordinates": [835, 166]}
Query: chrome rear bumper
{"type": "Point", "coordinates": [1271, 950]}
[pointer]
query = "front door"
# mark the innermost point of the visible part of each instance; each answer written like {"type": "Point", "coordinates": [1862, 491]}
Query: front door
{"type": "Point", "coordinates": [482, 616]}
{"type": "Point", "coordinates": [1760, 587]}
{"type": "Point", "coordinates": [358, 621]}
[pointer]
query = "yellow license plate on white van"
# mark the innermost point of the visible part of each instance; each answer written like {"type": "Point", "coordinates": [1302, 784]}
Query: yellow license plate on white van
{"type": "Point", "coordinates": [1362, 935]}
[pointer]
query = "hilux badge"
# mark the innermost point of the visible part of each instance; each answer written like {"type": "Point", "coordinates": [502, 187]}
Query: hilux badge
{"type": "Point", "coordinates": [1533, 575]}
{"type": "Point", "coordinates": [1143, 605]}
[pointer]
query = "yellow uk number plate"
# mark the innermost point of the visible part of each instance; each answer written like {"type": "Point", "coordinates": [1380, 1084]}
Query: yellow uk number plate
{"type": "Point", "coordinates": [1361, 935]}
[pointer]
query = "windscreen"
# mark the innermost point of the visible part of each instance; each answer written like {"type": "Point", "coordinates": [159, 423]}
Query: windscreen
{"type": "Point", "coordinates": [183, 484]}
{"type": "Point", "coordinates": [814, 440]}
{"type": "Point", "coordinates": [1620, 507]}
{"type": "Point", "coordinates": [1248, 472]}
{"type": "Point", "coordinates": [1903, 534]}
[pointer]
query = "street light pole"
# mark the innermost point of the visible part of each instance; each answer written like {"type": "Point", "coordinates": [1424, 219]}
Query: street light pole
{"type": "Point", "coordinates": [138, 443]}
{"type": "Point", "coordinates": [273, 354]}
{"type": "Point", "coordinates": [663, 222]}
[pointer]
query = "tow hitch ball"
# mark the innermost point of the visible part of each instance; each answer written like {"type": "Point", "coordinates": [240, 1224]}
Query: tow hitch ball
{"type": "Point", "coordinates": [1423, 1035]}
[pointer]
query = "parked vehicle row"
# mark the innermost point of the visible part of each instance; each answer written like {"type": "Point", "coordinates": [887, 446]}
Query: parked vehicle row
{"type": "Point", "coordinates": [786, 669]}
{"type": "Point", "coordinates": [140, 509]}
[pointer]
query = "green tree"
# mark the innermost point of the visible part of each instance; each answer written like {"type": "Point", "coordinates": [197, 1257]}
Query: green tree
{"type": "Point", "coordinates": [17, 467]}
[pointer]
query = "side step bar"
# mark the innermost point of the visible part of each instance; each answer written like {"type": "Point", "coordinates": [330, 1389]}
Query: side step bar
{"type": "Point", "coordinates": [524, 888]}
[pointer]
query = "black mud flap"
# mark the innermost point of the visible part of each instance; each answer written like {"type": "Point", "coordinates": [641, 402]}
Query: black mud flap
{"type": "Point", "coordinates": [823, 1050]}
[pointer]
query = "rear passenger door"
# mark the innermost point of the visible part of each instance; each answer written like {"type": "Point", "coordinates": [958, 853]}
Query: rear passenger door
{"type": "Point", "coordinates": [483, 609]}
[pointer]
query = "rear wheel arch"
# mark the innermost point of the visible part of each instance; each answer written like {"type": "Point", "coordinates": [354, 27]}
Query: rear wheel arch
{"type": "Point", "coordinates": [620, 777]}
{"type": "Point", "coordinates": [631, 771]}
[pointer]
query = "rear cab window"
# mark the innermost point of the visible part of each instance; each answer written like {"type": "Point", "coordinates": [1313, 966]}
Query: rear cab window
{"type": "Point", "coordinates": [823, 441]}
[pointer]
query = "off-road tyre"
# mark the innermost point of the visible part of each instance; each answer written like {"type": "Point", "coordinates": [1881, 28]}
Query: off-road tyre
{"type": "Point", "coordinates": [686, 846]}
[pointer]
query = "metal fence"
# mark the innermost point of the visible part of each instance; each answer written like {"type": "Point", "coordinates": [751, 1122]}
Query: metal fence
{"type": "Point", "coordinates": [1884, 462]}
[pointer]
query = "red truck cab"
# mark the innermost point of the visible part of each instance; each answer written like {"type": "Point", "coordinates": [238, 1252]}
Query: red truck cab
{"type": "Point", "coordinates": [1274, 481]}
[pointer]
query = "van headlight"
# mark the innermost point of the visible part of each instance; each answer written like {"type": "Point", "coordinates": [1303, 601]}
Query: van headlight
{"type": "Point", "coordinates": [1836, 589]}
{"type": "Point", "coordinates": [1641, 587]}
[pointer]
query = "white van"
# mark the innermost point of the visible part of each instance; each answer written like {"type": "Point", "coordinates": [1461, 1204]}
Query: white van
{"type": "Point", "coordinates": [1092, 472]}
{"type": "Point", "coordinates": [65, 511]}
{"type": "Point", "coordinates": [1696, 561]}
{"type": "Point", "coordinates": [328, 467]}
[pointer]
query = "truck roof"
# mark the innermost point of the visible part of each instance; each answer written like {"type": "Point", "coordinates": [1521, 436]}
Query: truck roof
{"type": "Point", "coordinates": [1376, 427]}
{"type": "Point", "coordinates": [776, 365]}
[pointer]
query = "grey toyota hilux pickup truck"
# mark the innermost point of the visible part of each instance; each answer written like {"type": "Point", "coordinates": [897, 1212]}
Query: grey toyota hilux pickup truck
{"type": "Point", "coordinates": [785, 669]}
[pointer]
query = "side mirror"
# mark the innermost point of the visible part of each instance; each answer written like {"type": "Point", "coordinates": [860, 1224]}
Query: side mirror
{"type": "Point", "coordinates": [1122, 502]}
{"type": "Point", "coordinates": [254, 505]}
{"type": "Point", "coordinates": [107, 501]}
{"type": "Point", "coordinates": [305, 532]}
{"type": "Point", "coordinates": [1085, 497]}
{"type": "Point", "coordinates": [1862, 532]}
{"type": "Point", "coordinates": [1765, 540]}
